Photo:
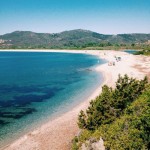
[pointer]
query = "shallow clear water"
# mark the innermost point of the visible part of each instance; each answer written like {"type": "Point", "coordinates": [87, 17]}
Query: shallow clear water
{"type": "Point", "coordinates": [37, 86]}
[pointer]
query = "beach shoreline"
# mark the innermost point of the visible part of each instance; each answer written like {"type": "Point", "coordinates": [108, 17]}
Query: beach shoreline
{"type": "Point", "coordinates": [8, 142]}
{"type": "Point", "coordinates": [58, 133]}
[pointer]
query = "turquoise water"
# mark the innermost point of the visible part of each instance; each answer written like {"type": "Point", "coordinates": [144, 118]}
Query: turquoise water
{"type": "Point", "coordinates": [38, 86]}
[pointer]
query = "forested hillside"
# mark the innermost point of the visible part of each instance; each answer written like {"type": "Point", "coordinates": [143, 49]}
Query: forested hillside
{"type": "Point", "coordinates": [75, 39]}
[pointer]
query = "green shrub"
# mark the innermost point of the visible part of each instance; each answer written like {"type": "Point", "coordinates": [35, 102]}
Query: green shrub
{"type": "Point", "coordinates": [132, 130]}
{"type": "Point", "coordinates": [120, 116]}
{"type": "Point", "coordinates": [111, 103]}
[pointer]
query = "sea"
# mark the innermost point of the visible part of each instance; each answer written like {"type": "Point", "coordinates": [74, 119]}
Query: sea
{"type": "Point", "coordinates": [38, 86]}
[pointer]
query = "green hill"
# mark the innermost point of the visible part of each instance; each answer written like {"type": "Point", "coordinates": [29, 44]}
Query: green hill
{"type": "Point", "coordinates": [68, 39]}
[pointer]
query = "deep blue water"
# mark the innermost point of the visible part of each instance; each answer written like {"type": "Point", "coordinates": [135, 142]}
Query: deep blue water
{"type": "Point", "coordinates": [36, 86]}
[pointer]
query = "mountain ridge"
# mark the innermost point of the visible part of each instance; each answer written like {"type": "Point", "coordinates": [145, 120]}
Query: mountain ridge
{"type": "Point", "coordinates": [73, 38]}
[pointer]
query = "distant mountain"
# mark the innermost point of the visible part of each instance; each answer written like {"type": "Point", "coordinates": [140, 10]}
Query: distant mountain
{"type": "Point", "coordinates": [73, 38]}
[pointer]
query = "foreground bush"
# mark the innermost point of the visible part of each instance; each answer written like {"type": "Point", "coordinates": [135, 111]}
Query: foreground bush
{"type": "Point", "coordinates": [111, 103]}
{"type": "Point", "coordinates": [132, 130]}
{"type": "Point", "coordinates": [121, 116]}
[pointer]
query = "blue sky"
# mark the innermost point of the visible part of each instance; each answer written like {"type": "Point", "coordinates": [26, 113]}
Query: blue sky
{"type": "Point", "coordinates": [51, 16]}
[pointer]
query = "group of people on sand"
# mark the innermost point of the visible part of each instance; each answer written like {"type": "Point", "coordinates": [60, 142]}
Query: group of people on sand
{"type": "Point", "coordinates": [112, 63]}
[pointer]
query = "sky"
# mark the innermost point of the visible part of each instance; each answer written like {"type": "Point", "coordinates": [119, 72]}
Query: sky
{"type": "Point", "coordinates": [52, 16]}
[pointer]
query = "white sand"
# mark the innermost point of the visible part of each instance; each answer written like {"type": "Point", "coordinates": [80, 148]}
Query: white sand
{"type": "Point", "coordinates": [58, 133]}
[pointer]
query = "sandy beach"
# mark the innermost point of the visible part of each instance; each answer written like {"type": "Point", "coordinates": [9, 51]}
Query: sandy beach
{"type": "Point", "coordinates": [58, 133]}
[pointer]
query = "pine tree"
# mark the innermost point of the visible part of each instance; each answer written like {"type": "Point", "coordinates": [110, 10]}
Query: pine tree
{"type": "Point", "coordinates": [82, 120]}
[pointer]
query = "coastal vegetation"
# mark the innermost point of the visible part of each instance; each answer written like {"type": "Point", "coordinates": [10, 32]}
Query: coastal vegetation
{"type": "Point", "coordinates": [145, 51]}
{"type": "Point", "coordinates": [74, 39]}
{"type": "Point", "coordinates": [120, 116]}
